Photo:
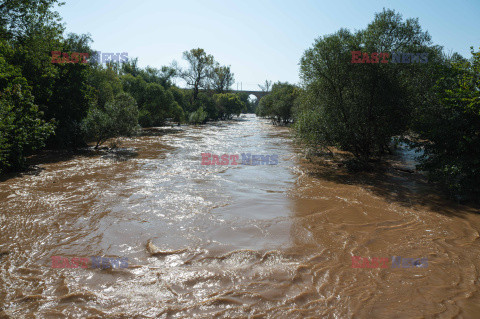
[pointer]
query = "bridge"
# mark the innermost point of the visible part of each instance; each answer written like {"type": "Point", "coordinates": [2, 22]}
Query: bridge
{"type": "Point", "coordinates": [257, 94]}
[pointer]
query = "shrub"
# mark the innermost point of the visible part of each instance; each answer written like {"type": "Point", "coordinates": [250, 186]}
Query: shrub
{"type": "Point", "coordinates": [118, 118]}
{"type": "Point", "coordinates": [198, 117]}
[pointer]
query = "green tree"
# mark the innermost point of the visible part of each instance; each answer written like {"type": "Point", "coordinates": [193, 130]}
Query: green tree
{"type": "Point", "coordinates": [198, 117]}
{"type": "Point", "coordinates": [206, 101]}
{"type": "Point", "coordinates": [178, 115]}
{"type": "Point", "coordinates": [106, 83]}
{"type": "Point", "coordinates": [227, 105]}
{"type": "Point", "coordinates": [199, 72]}
{"type": "Point", "coordinates": [135, 86]}
{"type": "Point", "coordinates": [448, 129]}
{"type": "Point", "coordinates": [21, 125]}
{"type": "Point", "coordinates": [359, 107]}
{"type": "Point", "coordinates": [279, 104]}
{"type": "Point", "coordinates": [158, 105]}
{"type": "Point", "coordinates": [131, 67]}
{"type": "Point", "coordinates": [34, 30]}
{"type": "Point", "coordinates": [72, 94]}
{"type": "Point", "coordinates": [118, 118]}
{"type": "Point", "coordinates": [222, 78]}
{"type": "Point", "coordinates": [20, 19]}
{"type": "Point", "coordinates": [181, 97]}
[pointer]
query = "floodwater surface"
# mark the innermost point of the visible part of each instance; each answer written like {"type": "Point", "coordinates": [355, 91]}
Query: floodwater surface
{"type": "Point", "coordinates": [232, 241]}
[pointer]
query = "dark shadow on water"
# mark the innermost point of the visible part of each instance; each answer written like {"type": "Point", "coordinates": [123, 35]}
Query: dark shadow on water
{"type": "Point", "coordinates": [30, 170]}
{"type": "Point", "coordinates": [47, 157]}
{"type": "Point", "coordinates": [396, 186]}
{"type": "Point", "coordinates": [160, 131]}
{"type": "Point", "coordinates": [121, 154]}
{"type": "Point", "coordinates": [57, 156]}
{"type": "Point", "coordinates": [240, 119]}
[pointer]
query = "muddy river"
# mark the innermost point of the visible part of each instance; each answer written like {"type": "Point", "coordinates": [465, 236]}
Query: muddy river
{"type": "Point", "coordinates": [230, 241]}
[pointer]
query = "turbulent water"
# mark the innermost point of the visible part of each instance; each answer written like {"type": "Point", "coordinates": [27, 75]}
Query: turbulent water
{"type": "Point", "coordinates": [231, 241]}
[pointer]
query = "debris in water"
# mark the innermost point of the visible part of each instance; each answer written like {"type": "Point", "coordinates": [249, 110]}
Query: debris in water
{"type": "Point", "coordinates": [154, 250]}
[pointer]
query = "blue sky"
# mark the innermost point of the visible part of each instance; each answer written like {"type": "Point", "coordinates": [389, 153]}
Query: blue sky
{"type": "Point", "coordinates": [260, 39]}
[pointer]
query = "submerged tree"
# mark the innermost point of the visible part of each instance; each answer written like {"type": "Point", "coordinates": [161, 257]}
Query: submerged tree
{"type": "Point", "coordinates": [198, 117]}
{"type": "Point", "coordinates": [118, 118]}
{"type": "Point", "coordinates": [228, 104]}
{"type": "Point", "coordinates": [279, 104]}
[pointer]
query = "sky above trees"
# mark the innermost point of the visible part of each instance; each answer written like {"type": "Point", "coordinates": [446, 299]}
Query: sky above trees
{"type": "Point", "coordinates": [259, 39]}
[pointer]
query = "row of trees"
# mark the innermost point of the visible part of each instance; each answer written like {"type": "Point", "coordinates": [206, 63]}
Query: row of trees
{"type": "Point", "coordinates": [68, 104]}
{"type": "Point", "coordinates": [210, 85]}
{"type": "Point", "coordinates": [360, 108]}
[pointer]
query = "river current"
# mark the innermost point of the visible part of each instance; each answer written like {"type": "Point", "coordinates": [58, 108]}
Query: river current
{"type": "Point", "coordinates": [231, 241]}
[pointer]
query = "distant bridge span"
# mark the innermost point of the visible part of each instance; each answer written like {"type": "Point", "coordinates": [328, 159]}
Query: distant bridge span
{"type": "Point", "coordinates": [258, 94]}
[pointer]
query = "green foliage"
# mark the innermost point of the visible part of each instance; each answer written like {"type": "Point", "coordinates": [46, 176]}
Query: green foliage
{"type": "Point", "coordinates": [157, 98]}
{"type": "Point", "coordinates": [222, 78]}
{"type": "Point", "coordinates": [308, 125]}
{"type": "Point", "coordinates": [448, 129]}
{"type": "Point", "coordinates": [206, 101]}
{"type": "Point", "coordinates": [106, 83]}
{"type": "Point", "coordinates": [181, 97]}
{"type": "Point", "coordinates": [34, 30]}
{"type": "Point", "coordinates": [198, 117]}
{"type": "Point", "coordinates": [22, 129]}
{"type": "Point", "coordinates": [135, 86]}
{"type": "Point", "coordinates": [278, 105]}
{"type": "Point", "coordinates": [60, 90]}
{"type": "Point", "coordinates": [19, 19]}
{"type": "Point", "coordinates": [250, 106]}
{"type": "Point", "coordinates": [163, 76]}
{"type": "Point", "coordinates": [199, 72]}
{"type": "Point", "coordinates": [178, 115]}
{"type": "Point", "coordinates": [157, 107]}
{"type": "Point", "coordinates": [205, 77]}
{"type": "Point", "coordinates": [361, 106]}
{"type": "Point", "coordinates": [118, 118]}
{"type": "Point", "coordinates": [227, 105]}
{"type": "Point", "coordinates": [74, 91]}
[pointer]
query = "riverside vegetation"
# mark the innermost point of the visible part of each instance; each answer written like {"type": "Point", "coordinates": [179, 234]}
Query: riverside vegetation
{"type": "Point", "coordinates": [66, 105]}
{"type": "Point", "coordinates": [358, 108]}
{"type": "Point", "coordinates": [362, 108]}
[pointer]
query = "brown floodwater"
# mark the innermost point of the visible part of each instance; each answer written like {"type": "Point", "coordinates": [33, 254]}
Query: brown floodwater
{"type": "Point", "coordinates": [266, 241]}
